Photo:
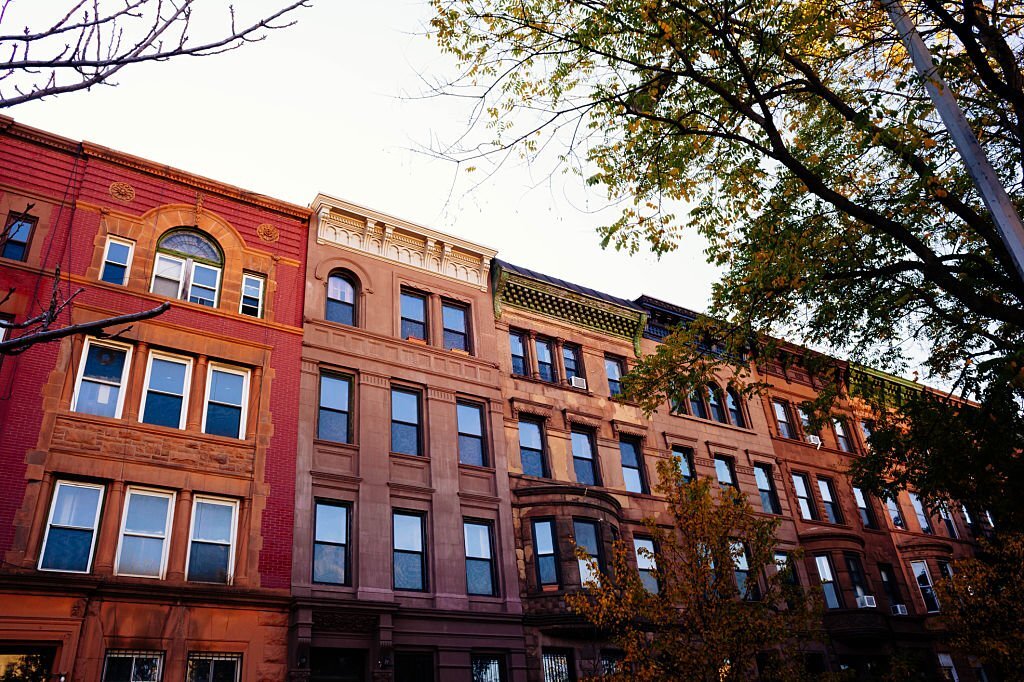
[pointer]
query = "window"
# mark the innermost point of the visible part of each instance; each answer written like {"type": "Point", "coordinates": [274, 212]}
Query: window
{"type": "Point", "coordinates": [145, 529]}
{"type": "Point", "coordinates": [583, 457]}
{"type": "Point", "coordinates": [480, 577]}
{"type": "Point", "coordinates": [947, 521]}
{"type": "Point", "coordinates": [632, 465]}
{"type": "Point", "coordinates": [330, 542]}
{"type": "Point", "coordinates": [805, 422]}
{"type": "Point", "coordinates": [252, 295]}
{"type": "Point", "coordinates": [518, 347]}
{"type": "Point", "coordinates": [828, 497]}
{"type": "Point", "coordinates": [833, 599]}
{"type": "Point", "coordinates": [732, 401]}
{"type": "Point", "coordinates": [211, 555]}
{"type": "Point", "coordinates": [611, 663]}
{"type": "Point", "coordinates": [455, 320]}
{"type": "Point", "coordinates": [866, 429]}
{"type": "Point", "coordinates": [471, 434]}
{"type": "Point", "coordinates": [117, 261]}
{"type": "Point", "coordinates": [684, 461]}
{"type": "Point", "coordinates": [924, 582]}
{"type": "Point", "coordinates": [414, 666]}
{"type": "Point", "coordinates": [749, 589]}
{"type": "Point", "coordinates": [210, 667]}
{"type": "Point", "coordinates": [557, 666]}
{"type": "Point", "coordinates": [889, 586]}
{"type": "Point", "coordinates": [945, 569]}
{"type": "Point", "coordinates": [922, 515]}
{"type": "Point", "coordinates": [784, 565]}
{"type": "Point", "coordinates": [585, 535]}
{"type": "Point", "coordinates": [188, 266]}
{"type": "Point", "coordinates": [414, 315]}
{"type": "Point", "coordinates": [715, 403]}
{"type": "Point", "coordinates": [545, 362]}
{"type": "Point", "coordinates": [724, 471]}
{"type": "Point", "coordinates": [334, 418]}
{"type": "Point", "coordinates": [165, 400]}
{"type": "Point", "coordinates": [867, 515]}
{"type": "Point", "coordinates": [71, 529]}
{"type": "Point", "coordinates": [856, 571]}
{"type": "Point", "coordinates": [842, 438]}
{"type": "Point", "coordinates": [766, 488]}
{"type": "Point", "coordinates": [895, 515]}
{"type": "Point", "coordinates": [571, 361]}
{"type": "Point", "coordinates": [405, 422]}
{"type": "Point", "coordinates": [947, 668]}
{"type": "Point", "coordinates": [783, 420]}
{"type": "Point", "coordinates": [341, 299]}
{"type": "Point", "coordinates": [613, 368]}
{"type": "Point", "coordinates": [698, 405]}
{"type": "Point", "coordinates": [227, 391]}
{"type": "Point", "coordinates": [101, 376]}
{"type": "Point", "coordinates": [545, 552]}
{"type": "Point", "coordinates": [487, 668]}
{"type": "Point", "coordinates": [16, 236]}
{"type": "Point", "coordinates": [644, 550]}
{"type": "Point", "coordinates": [808, 511]}
{"type": "Point", "coordinates": [531, 448]}
{"type": "Point", "coordinates": [133, 666]}
{"type": "Point", "coordinates": [409, 557]}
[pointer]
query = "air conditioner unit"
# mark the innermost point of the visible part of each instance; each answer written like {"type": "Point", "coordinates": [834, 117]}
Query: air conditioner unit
{"type": "Point", "coordinates": [899, 609]}
{"type": "Point", "coordinates": [814, 440]}
{"type": "Point", "coordinates": [866, 602]}
{"type": "Point", "coordinates": [578, 382]}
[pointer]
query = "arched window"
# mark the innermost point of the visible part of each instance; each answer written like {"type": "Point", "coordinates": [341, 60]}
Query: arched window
{"type": "Point", "coordinates": [188, 266]}
{"type": "Point", "coordinates": [698, 402]}
{"type": "Point", "coordinates": [715, 403]}
{"type": "Point", "coordinates": [341, 298]}
{"type": "Point", "coordinates": [735, 407]}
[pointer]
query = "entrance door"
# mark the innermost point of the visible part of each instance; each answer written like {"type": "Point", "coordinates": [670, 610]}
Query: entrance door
{"type": "Point", "coordinates": [328, 664]}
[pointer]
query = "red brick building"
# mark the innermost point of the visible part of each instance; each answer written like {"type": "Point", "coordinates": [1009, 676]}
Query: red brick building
{"type": "Point", "coordinates": [146, 523]}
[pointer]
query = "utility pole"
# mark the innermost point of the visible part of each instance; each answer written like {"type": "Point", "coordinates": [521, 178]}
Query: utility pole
{"type": "Point", "coordinates": [1008, 223]}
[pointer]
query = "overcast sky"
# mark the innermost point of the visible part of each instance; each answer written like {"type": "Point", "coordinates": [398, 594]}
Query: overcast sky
{"type": "Point", "coordinates": [332, 105]}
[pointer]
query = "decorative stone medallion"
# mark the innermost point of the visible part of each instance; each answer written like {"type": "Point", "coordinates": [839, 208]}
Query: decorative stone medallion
{"type": "Point", "coordinates": [122, 191]}
{"type": "Point", "coordinates": [268, 232]}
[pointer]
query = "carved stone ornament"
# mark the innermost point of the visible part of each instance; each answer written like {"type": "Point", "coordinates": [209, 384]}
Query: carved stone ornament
{"type": "Point", "coordinates": [268, 232]}
{"type": "Point", "coordinates": [122, 191]}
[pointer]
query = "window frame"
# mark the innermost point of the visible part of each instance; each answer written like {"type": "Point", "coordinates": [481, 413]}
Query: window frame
{"type": "Point", "coordinates": [481, 409]}
{"type": "Point", "coordinates": [843, 440]}
{"type": "Point", "coordinates": [930, 585]}
{"type": "Point", "coordinates": [924, 521]}
{"type": "Point", "coordinates": [521, 337]}
{"type": "Point", "coordinates": [425, 299]}
{"type": "Point", "coordinates": [864, 510]}
{"type": "Point", "coordinates": [341, 376]}
{"type": "Point", "coordinates": [685, 454]}
{"type": "Point", "coordinates": [212, 656]}
{"type": "Point", "coordinates": [575, 353]}
{"type": "Point", "coordinates": [647, 571]}
{"type": "Point", "coordinates": [260, 304]}
{"type": "Point", "coordinates": [171, 497]}
{"type": "Point", "coordinates": [186, 385]}
{"type": "Point", "coordinates": [751, 590]}
{"type": "Point", "coordinates": [946, 514]}
{"type": "Point", "coordinates": [246, 389]}
{"type": "Point", "coordinates": [786, 418]}
{"type": "Point", "coordinates": [95, 524]}
{"type": "Point", "coordinates": [730, 464]}
{"type": "Point", "coordinates": [133, 654]}
{"type": "Point", "coordinates": [127, 265]}
{"type": "Point", "coordinates": [582, 564]}
{"type": "Point", "coordinates": [537, 555]}
{"type": "Point", "coordinates": [835, 591]}
{"type": "Point", "coordinates": [830, 500]}
{"type": "Point", "coordinates": [892, 506]}
{"type": "Point", "coordinates": [638, 446]}
{"type": "Point", "coordinates": [121, 386]}
{"type": "Point", "coordinates": [858, 577]}
{"type": "Point", "coordinates": [351, 280]}
{"type": "Point", "coordinates": [555, 656]}
{"type": "Point", "coordinates": [19, 217]}
{"type": "Point", "coordinates": [775, 507]}
{"type": "Point", "coordinates": [421, 517]}
{"type": "Point", "coordinates": [420, 440]}
{"type": "Point", "coordinates": [887, 574]}
{"type": "Point", "coordinates": [614, 384]}
{"type": "Point", "coordinates": [346, 545]}
{"type": "Point", "coordinates": [542, 453]}
{"type": "Point", "coordinates": [734, 408]}
{"type": "Point", "coordinates": [595, 470]}
{"type": "Point", "coordinates": [716, 403]}
{"type": "Point", "coordinates": [697, 403]}
{"type": "Point", "coordinates": [492, 564]}
{"type": "Point", "coordinates": [467, 333]}
{"type": "Point", "coordinates": [232, 546]}
{"type": "Point", "coordinates": [808, 496]}
{"type": "Point", "coordinates": [499, 658]}
{"type": "Point", "coordinates": [548, 344]}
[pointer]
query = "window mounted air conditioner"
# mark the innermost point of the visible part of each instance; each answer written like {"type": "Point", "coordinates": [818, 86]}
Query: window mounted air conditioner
{"type": "Point", "coordinates": [814, 440]}
{"type": "Point", "coordinates": [866, 602]}
{"type": "Point", "coordinates": [899, 609]}
{"type": "Point", "coordinates": [578, 382]}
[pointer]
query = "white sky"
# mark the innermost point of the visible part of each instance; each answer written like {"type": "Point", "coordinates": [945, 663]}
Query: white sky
{"type": "Point", "coordinates": [329, 106]}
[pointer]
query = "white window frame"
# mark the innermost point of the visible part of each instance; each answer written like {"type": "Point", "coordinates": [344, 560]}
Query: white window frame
{"type": "Point", "coordinates": [127, 266]}
{"type": "Point", "coordinates": [263, 290]}
{"type": "Point", "coordinates": [186, 389]}
{"type": "Point", "coordinates": [232, 548]}
{"type": "Point", "coordinates": [920, 588]}
{"type": "Point", "coordinates": [122, 388]}
{"type": "Point", "coordinates": [192, 282]}
{"type": "Point", "coordinates": [95, 525]}
{"type": "Point", "coordinates": [245, 374]}
{"type": "Point", "coordinates": [188, 266]}
{"type": "Point", "coordinates": [184, 272]}
{"type": "Point", "coordinates": [168, 523]}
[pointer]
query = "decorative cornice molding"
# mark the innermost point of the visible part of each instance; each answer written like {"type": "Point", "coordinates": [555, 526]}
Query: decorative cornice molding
{"type": "Point", "coordinates": [536, 409]}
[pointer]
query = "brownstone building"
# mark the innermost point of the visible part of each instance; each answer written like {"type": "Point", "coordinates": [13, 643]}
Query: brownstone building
{"type": "Point", "coordinates": [146, 520]}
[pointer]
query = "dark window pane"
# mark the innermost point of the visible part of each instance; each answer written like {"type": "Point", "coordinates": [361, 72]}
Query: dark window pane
{"type": "Point", "coordinates": [329, 563]}
{"type": "Point", "coordinates": [162, 409]}
{"type": "Point", "coordinates": [343, 313]}
{"type": "Point", "coordinates": [478, 576]}
{"type": "Point", "coordinates": [224, 671]}
{"type": "Point", "coordinates": [414, 307]}
{"type": "Point", "coordinates": [141, 555]}
{"type": "Point", "coordinates": [697, 406]}
{"type": "Point", "coordinates": [471, 450]}
{"type": "Point", "coordinates": [408, 571]}
{"type": "Point", "coordinates": [735, 408]}
{"type": "Point", "coordinates": [333, 426]}
{"type": "Point", "coordinates": [548, 570]}
{"type": "Point", "coordinates": [405, 438]}
{"type": "Point", "coordinates": [413, 330]}
{"type": "Point", "coordinates": [223, 420]}
{"type": "Point", "coordinates": [533, 462]}
{"type": "Point", "coordinates": [67, 549]}
{"type": "Point", "coordinates": [114, 274]}
{"type": "Point", "coordinates": [629, 453]}
{"type": "Point", "coordinates": [455, 340]}
{"type": "Point", "coordinates": [208, 563]}
{"type": "Point", "coordinates": [585, 533]}
{"type": "Point", "coordinates": [117, 669]}
{"type": "Point", "coordinates": [103, 362]}
{"type": "Point", "coordinates": [584, 471]}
